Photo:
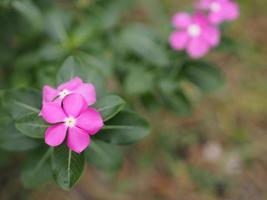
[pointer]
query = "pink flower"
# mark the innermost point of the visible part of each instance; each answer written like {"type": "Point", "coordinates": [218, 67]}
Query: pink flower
{"type": "Point", "coordinates": [219, 10]}
{"type": "Point", "coordinates": [73, 119]}
{"type": "Point", "coordinates": [194, 33]}
{"type": "Point", "coordinates": [76, 86]}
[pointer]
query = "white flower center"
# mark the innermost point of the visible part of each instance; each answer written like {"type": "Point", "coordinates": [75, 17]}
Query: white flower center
{"type": "Point", "coordinates": [70, 122]}
{"type": "Point", "coordinates": [194, 30]}
{"type": "Point", "coordinates": [215, 7]}
{"type": "Point", "coordinates": [64, 93]}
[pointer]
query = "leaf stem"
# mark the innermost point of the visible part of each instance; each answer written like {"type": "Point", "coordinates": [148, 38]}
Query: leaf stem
{"type": "Point", "coordinates": [69, 162]}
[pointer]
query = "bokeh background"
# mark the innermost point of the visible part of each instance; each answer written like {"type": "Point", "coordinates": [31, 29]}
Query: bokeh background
{"type": "Point", "coordinates": [217, 153]}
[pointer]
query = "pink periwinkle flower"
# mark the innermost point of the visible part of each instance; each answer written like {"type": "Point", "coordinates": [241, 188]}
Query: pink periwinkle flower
{"type": "Point", "coordinates": [73, 119]}
{"type": "Point", "coordinates": [194, 33]}
{"type": "Point", "coordinates": [76, 85]}
{"type": "Point", "coordinates": [219, 10]}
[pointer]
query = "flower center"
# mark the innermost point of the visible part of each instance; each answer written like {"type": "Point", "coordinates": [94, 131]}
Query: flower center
{"type": "Point", "coordinates": [70, 122]}
{"type": "Point", "coordinates": [215, 7]}
{"type": "Point", "coordinates": [64, 93]}
{"type": "Point", "coordinates": [194, 30]}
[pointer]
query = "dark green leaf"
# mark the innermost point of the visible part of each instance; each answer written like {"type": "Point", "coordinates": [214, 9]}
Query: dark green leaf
{"type": "Point", "coordinates": [113, 12]}
{"type": "Point", "coordinates": [80, 66]}
{"type": "Point", "coordinates": [125, 128]}
{"type": "Point", "coordinates": [12, 140]}
{"type": "Point", "coordinates": [177, 102]}
{"type": "Point", "coordinates": [105, 156]}
{"type": "Point", "coordinates": [204, 75]}
{"type": "Point", "coordinates": [37, 169]}
{"type": "Point", "coordinates": [31, 12]}
{"type": "Point", "coordinates": [109, 106]}
{"type": "Point", "coordinates": [67, 166]}
{"type": "Point", "coordinates": [32, 126]}
{"type": "Point", "coordinates": [21, 102]}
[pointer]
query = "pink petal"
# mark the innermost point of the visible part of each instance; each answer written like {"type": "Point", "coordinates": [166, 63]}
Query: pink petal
{"type": "Point", "coordinates": [178, 40]}
{"type": "Point", "coordinates": [87, 91]}
{"type": "Point", "coordinates": [78, 139]}
{"type": "Point", "coordinates": [216, 17]}
{"type": "Point", "coordinates": [200, 19]}
{"type": "Point", "coordinates": [49, 93]}
{"type": "Point", "coordinates": [55, 135]}
{"type": "Point", "coordinates": [71, 85]}
{"type": "Point", "coordinates": [203, 4]}
{"type": "Point", "coordinates": [182, 20]}
{"type": "Point", "coordinates": [231, 11]}
{"type": "Point", "coordinates": [74, 104]}
{"type": "Point", "coordinates": [52, 113]}
{"type": "Point", "coordinates": [197, 47]}
{"type": "Point", "coordinates": [90, 120]}
{"type": "Point", "coordinates": [212, 35]}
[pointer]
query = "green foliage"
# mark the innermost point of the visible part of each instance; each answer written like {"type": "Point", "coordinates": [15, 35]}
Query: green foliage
{"type": "Point", "coordinates": [32, 126]}
{"type": "Point", "coordinates": [105, 156]}
{"type": "Point", "coordinates": [21, 102]}
{"type": "Point", "coordinates": [82, 67]}
{"type": "Point", "coordinates": [109, 106]}
{"type": "Point", "coordinates": [67, 166]}
{"type": "Point", "coordinates": [21, 127]}
{"type": "Point", "coordinates": [204, 75]}
{"type": "Point", "coordinates": [36, 170]}
{"type": "Point", "coordinates": [97, 41]}
{"type": "Point", "coordinates": [126, 127]}
{"type": "Point", "coordinates": [137, 39]}
{"type": "Point", "coordinates": [12, 140]}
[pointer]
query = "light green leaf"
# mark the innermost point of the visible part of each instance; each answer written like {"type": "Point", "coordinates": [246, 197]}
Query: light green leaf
{"type": "Point", "coordinates": [125, 128]}
{"type": "Point", "coordinates": [104, 156]}
{"type": "Point", "coordinates": [139, 82]}
{"type": "Point", "coordinates": [67, 166]}
{"type": "Point", "coordinates": [32, 126]}
{"type": "Point", "coordinates": [135, 39]}
{"type": "Point", "coordinates": [109, 106]}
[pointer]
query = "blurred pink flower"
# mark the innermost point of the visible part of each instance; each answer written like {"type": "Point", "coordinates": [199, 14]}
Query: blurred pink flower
{"type": "Point", "coordinates": [73, 119]}
{"type": "Point", "coordinates": [76, 85]}
{"type": "Point", "coordinates": [219, 10]}
{"type": "Point", "coordinates": [194, 34]}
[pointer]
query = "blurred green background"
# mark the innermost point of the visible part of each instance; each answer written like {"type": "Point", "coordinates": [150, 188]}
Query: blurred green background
{"type": "Point", "coordinates": [217, 153]}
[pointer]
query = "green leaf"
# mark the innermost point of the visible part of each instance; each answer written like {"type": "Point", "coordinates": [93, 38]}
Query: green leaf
{"type": "Point", "coordinates": [113, 12]}
{"type": "Point", "coordinates": [109, 106]}
{"type": "Point", "coordinates": [125, 128]}
{"type": "Point", "coordinates": [139, 82]}
{"type": "Point", "coordinates": [32, 126]}
{"type": "Point", "coordinates": [177, 102]}
{"type": "Point", "coordinates": [135, 39]}
{"type": "Point", "coordinates": [104, 156]}
{"type": "Point", "coordinates": [67, 166]}
{"type": "Point", "coordinates": [21, 102]}
{"type": "Point", "coordinates": [82, 67]}
{"type": "Point", "coordinates": [12, 140]}
{"type": "Point", "coordinates": [57, 23]}
{"type": "Point", "coordinates": [37, 169]}
{"type": "Point", "coordinates": [204, 75]}
{"type": "Point", "coordinates": [31, 12]}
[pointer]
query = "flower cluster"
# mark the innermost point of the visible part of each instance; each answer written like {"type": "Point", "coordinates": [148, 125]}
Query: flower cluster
{"type": "Point", "coordinates": [198, 32]}
{"type": "Point", "coordinates": [67, 109]}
